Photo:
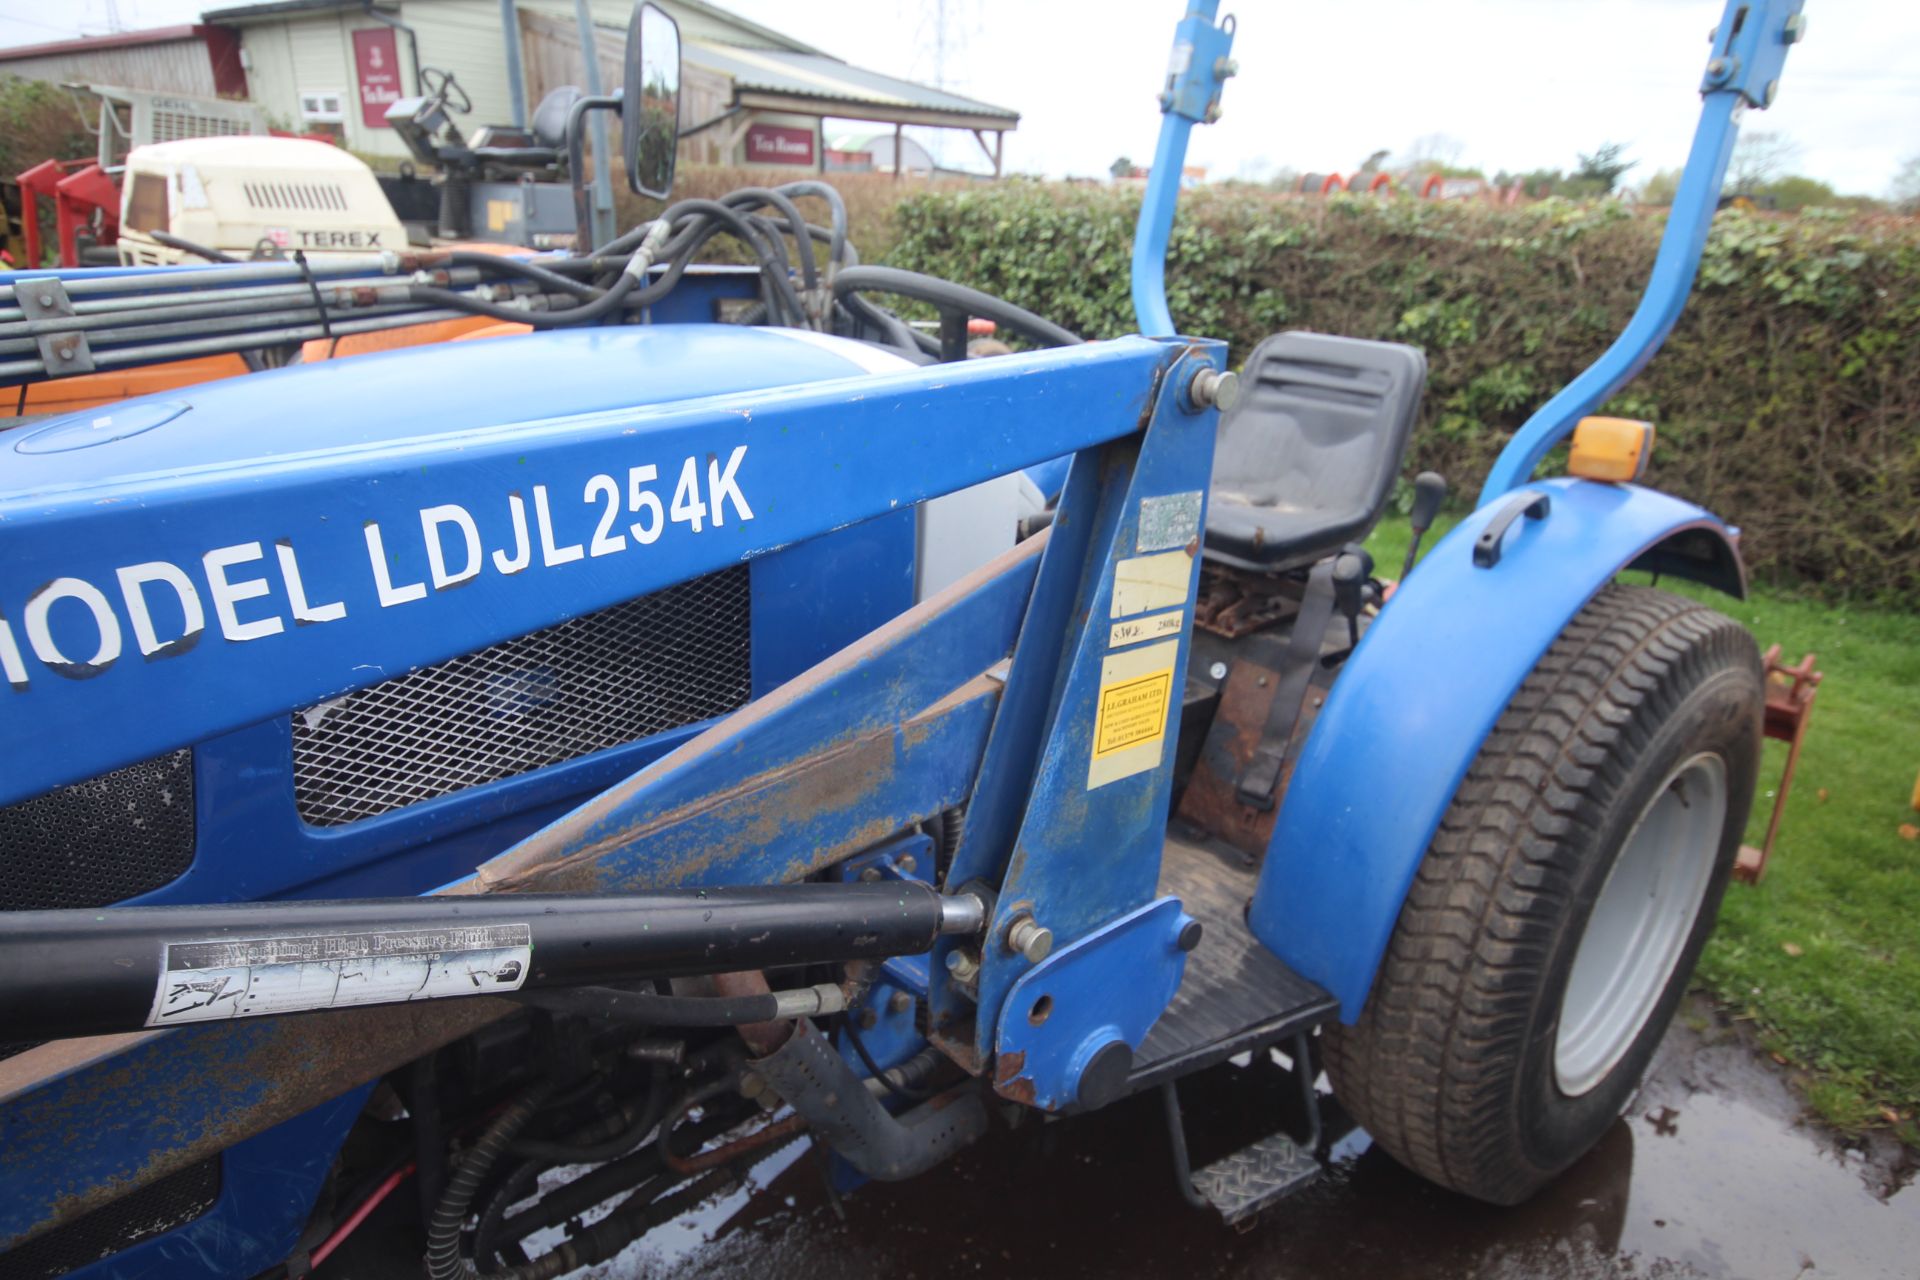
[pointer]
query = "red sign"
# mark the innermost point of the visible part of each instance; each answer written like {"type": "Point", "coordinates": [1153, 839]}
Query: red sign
{"type": "Point", "coordinates": [777, 144]}
{"type": "Point", "coordinates": [376, 60]}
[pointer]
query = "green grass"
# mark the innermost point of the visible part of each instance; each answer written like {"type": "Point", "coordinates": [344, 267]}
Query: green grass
{"type": "Point", "coordinates": [1824, 954]}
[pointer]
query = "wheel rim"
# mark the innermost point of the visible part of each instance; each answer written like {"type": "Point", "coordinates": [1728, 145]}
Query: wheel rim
{"type": "Point", "coordinates": [1640, 923]}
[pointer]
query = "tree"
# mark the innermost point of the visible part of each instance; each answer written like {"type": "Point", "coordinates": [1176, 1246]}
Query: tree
{"type": "Point", "coordinates": [1373, 162]}
{"type": "Point", "coordinates": [1661, 187]}
{"type": "Point", "coordinates": [1759, 159]}
{"type": "Point", "coordinates": [1906, 186]}
{"type": "Point", "coordinates": [1793, 193]}
{"type": "Point", "coordinates": [1433, 152]}
{"type": "Point", "coordinates": [1122, 168]}
{"type": "Point", "coordinates": [1600, 172]}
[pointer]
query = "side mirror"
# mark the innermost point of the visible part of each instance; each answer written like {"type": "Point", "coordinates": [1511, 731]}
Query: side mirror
{"type": "Point", "coordinates": [650, 102]}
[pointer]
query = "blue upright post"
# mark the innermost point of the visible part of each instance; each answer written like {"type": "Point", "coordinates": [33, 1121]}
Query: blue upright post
{"type": "Point", "coordinates": [1199, 67]}
{"type": "Point", "coordinates": [1749, 50]}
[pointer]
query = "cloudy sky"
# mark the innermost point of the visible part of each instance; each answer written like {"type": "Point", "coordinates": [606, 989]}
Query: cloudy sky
{"type": "Point", "coordinates": [1517, 84]}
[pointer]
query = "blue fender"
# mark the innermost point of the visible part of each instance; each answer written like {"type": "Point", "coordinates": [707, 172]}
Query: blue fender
{"type": "Point", "coordinates": [1430, 678]}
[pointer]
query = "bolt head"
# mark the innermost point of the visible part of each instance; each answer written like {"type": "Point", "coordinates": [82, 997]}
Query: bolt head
{"type": "Point", "coordinates": [1214, 389]}
{"type": "Point", "coordinates": [1796, 29]}
{"type": "Point", "coordinates": [1218, 671]}
{"type": "Point", "coordinates": [46, 299]}
{"type": "Point", "coordinates": [1717, 68]}
{"type": "Point", "coordinates": [1030, 940]}
{"type": "Point", "coordinates": [1166, 101]}
{"type": "Point", "coordinates": [870, 874]}
{"type": "Point", "coordinates": [907, 862]}
{"type": "Point", "coordinates": [65, 353]}
{"type": "Point", "coordinates": [899, 1002]}
{"type": "Point", "coordinates": [1773, 91]}
{"type": "Point", "coordinates": [1225, 68]}
{"type": "Point", "coordinates": [1190, 935]}
{"type": "Point", "coordinates": [1213, 112]}
{"type": "Point", "coordinates": [869, 1019]}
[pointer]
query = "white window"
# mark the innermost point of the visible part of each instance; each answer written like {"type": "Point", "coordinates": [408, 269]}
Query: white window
{"type": "Point", "coordinates": [323, 108]}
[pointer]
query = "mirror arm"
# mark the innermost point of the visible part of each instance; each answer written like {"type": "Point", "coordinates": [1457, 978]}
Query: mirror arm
{"type": "Point", "coordinates": [576, 165]}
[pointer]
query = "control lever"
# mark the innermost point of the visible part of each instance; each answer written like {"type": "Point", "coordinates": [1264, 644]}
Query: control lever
{"type": "Point", "coordinates": [1429, 491]}
{"type": "Point", "coordinates": [1351, 569]}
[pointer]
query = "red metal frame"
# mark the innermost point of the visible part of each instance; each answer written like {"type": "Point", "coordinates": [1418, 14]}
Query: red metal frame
{"type": "Point", "coordinates": [1790, 694]}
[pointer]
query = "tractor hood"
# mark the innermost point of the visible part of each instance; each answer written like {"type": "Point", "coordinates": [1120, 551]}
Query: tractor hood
{"type": "Point", "coordinates": [413, 394]}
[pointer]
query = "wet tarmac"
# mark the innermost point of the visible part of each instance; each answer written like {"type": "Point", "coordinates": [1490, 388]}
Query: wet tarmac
{"type": "Point", "coordinates": [1711, 1173]}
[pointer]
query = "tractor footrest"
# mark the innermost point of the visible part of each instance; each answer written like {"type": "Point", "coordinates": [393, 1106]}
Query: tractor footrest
{"type": "Point", "coordinates": [1237, 996]}
{"type": "Point", "coordinates": [1254, 1177]}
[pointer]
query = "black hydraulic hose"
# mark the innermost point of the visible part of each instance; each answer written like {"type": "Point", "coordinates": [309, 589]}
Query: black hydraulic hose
{"type": "Point", "coordinates": [887, 1082]}
{"type": "Point", "coordinates": [185, 245]}
{"type": "Point", "coordinates": [796, 224]}
{"type": "Point", "coordinates": [735, 222]}
{"type": "Point", "coordinates": [950, 296]}
{"type": "Point", "coordinates": [837, 207]}
{"type": "Point", "coordinates": [444, 1260]}
{"type": "Point", "coordinates": [585, 312]}
{"type": "Point", "coordinates": [899, 333]}
{"type": "Point", "coordinates": [705, 1093]}
{"type": "Point", "coordinates": [513, 1190]}
{"type": "Point", "coordinates": [588, 1147]}
{"type": "Point", "coordinates": [525, 270]}
{"type": "Point", "coordinates": [572, 1199]}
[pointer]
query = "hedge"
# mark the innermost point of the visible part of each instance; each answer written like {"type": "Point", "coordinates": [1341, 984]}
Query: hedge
{"type": "Point", "coordinates": [1787, 398]}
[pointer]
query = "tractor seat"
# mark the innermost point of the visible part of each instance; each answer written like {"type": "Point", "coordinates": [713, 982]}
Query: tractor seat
{"type": "Point", "coordinates": [1306, 459]}
{"type": "Point", "coordinates": [539, 146]}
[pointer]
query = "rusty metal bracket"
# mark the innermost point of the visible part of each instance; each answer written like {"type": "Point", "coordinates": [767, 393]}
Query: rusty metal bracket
{"type": "Point", "coordinates": [1261, 777]}
{"type": "Point", "coordinates": [1790, 694]}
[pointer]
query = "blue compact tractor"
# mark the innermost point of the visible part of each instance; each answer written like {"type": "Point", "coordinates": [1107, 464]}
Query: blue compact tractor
{"type": "Point", "coordinates": [510, 777]}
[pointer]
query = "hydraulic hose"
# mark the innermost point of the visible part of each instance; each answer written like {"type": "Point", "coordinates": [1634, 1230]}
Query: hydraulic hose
{"type": "Point", "coordinates": [444, 1260]}
{"type": "Point", "coordinates": [525, 270]}
{"type": "Point", "coordinates": [185, 245]}
{"type": "Point", "coordinates": [586, 311]}
{"type": "Point", "coordinates": [955, 297]}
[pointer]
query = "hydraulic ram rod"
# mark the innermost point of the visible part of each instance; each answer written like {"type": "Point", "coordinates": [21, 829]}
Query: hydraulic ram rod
{"type": "Point", "coordinates": [74, 973]}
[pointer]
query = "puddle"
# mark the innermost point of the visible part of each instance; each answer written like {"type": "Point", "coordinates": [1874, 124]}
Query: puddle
{"type": "Point", "coordinates": [1708, 1175]}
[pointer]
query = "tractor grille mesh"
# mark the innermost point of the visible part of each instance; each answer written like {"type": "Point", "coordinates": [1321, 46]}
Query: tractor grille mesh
{"type": "Point", "coordinates": [153, 1210]}
{"type": "Point", "coordinates": [99, 841]}
{"type": "Point", "coordinates": [666, 660]}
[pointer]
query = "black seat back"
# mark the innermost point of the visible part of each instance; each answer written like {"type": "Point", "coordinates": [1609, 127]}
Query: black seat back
{"type": "Point", "coordinates": [1305, 461]}
{"type": "Point", "coordinates": [550, 117]}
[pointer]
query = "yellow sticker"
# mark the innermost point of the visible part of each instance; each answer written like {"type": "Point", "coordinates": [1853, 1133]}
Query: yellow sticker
{"type": "Point", "coordinates": [1134, 630]}
{"type": "Point", "coordinates": [502, 214]}
{"type": "Point", "coordinates": [1130, 713]}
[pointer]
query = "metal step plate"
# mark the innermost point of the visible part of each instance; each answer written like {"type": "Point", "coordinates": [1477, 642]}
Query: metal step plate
{"type": "Point", "coordinates": [1237, 995]}
{"type": "Point", "coordinates": [1255, 1177]}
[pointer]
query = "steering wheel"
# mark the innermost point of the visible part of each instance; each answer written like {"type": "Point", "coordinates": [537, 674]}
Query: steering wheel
{"type": "Point", "coordinates": [442, 88]}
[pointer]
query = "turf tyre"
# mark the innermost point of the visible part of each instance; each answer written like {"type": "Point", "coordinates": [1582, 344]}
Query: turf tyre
{"type": "Point", "coordinates": [1451, 1064]}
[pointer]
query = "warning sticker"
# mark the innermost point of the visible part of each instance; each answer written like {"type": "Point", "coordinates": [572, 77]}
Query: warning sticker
{"type": "Point", "coordinates": [243, 977]}
{"type": "Point", "coordinates": [1130, 715]}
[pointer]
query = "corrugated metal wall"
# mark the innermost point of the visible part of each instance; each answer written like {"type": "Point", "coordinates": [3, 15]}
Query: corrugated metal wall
{"type": "Point", "coordinates": [302, 53]}
{"type": "Point", "coordinates": [550, 54]}
{"type": "Point", "coordinates": [179, 66]}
